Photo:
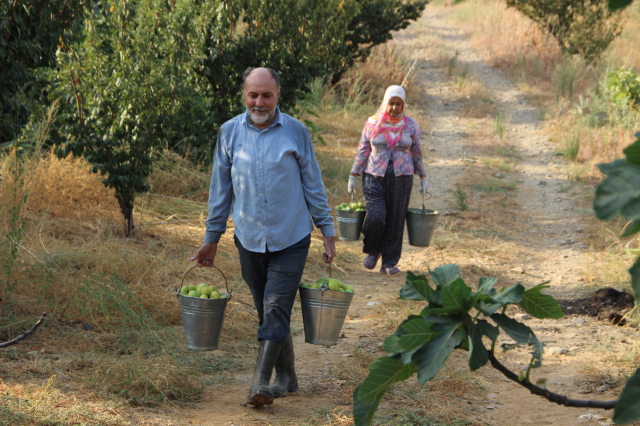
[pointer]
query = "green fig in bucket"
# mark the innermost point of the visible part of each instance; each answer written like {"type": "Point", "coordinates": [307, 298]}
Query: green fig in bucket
{"type": "Point", "coordinates": [184, 290]}
{"type": "Point", "coordinates": [192, 287]}
{"type": "Point", "coordinates": [213, 288]}
{"type": "Point", "coordinates": [214, 295]}
{"type": "Point", "coordinates": [333, 286]}
{"type": "Point", "coordinates": [194, 293]}
{"type": "Point", "coordinates": [349, 288]}
{"type": "Point", "coordinates": [204, 296]}
{"type": "Point", "coordinates": [205, 290]}
{"type": "Point", "coordinates": [360, 205]}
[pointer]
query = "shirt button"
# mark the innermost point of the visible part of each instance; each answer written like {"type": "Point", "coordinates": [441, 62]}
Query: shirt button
{"type": "Point", "coordinates": [261, 195]}
{"type": "Point", "coordinates": [263, 211]}
{"type": "Point", "coordinates": [258, 162]}
{"type": "Point", "coordinates": [259, 147]}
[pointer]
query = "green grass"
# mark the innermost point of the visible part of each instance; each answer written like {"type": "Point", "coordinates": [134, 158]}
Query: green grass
{"type": "Point", "coordinates": [499, 163]}
{"type": "Point", "coordinates": [461, 199]}
{"type": "Point", "coordinates": [494, 186]}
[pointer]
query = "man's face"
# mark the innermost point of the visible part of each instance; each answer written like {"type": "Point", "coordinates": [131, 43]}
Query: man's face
{"type": "Point", "coordinates": [261, 96]}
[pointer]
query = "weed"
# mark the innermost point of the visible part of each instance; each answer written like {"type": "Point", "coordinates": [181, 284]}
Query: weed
{"type": "Point", "coordinates": [572, 145]}
{"type": "Point", "coordinates": [499, 122]}
{"type": "Point", "coordinates": [492, 185]}
{"type": "Point", "coordinates": [499, 164]}
{"type": "Point", "coordinates": [463, 77]}
{"type": "Point", "coordinates": [452, 64]}
{"type": "Point", "coordinates": [461, 199]}
{"type": "Point", "coordinates": [576, 172]}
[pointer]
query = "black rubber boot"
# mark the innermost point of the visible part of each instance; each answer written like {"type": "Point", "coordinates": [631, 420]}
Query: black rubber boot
{"type": "Point", "coordinates": [260, 394]}
{"type": "Point", "coordinates": [286, 379]}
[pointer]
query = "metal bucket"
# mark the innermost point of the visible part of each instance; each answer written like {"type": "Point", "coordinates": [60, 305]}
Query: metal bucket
{"type": "Point", "coordinates": [323, 314]}
{"type": "Point", "coordinates": [350, 224]}
{"type": "Point", "coordinates": [420, 225]}
{"type": "Point", "coordinates": [203, 319]}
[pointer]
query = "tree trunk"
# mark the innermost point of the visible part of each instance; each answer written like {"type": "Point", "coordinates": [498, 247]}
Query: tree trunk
{"type": "Point", "coordinates": [127, 212]}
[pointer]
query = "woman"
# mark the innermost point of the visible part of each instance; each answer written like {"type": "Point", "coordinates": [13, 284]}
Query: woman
{"type": "Point", "coordinates": [389, 154]}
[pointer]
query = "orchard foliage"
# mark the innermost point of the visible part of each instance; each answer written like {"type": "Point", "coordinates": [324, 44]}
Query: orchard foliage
{"type": "Point", "coordinates": [30, 33]}
{"type": "Point", "coordinates": [127, 89]}
{"type": "Point", "coordinates": [581, 27]}
{"type": "Point", "coordinates": [456, 317]}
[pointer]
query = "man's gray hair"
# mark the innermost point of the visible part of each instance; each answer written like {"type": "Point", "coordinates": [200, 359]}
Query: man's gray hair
{"type": "Point", "coordinates": [273, 73]}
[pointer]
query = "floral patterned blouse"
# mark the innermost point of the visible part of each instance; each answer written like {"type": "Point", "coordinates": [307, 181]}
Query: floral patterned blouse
{"type": "Point", "coordinates": [373, 156]}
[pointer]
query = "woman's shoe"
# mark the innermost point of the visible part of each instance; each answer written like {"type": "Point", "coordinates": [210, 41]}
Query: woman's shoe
{"type": "Point", "coordinates": [389, 271]}
{"type": "Point", "coordinates": [370, 261]}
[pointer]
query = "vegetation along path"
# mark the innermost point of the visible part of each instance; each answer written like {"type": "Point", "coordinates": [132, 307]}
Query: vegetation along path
{"type": "Point", "coordinates": [510, 210]}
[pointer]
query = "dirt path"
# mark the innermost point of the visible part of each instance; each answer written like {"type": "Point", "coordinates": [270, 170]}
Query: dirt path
{"type": "Point", "coordinates": [530, 232]}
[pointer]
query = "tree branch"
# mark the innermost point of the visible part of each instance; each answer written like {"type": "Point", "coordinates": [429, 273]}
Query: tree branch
{"type": "Point", "coordinates": [551, 396]}
{"type": "Point", "coordinates": [26, 334]}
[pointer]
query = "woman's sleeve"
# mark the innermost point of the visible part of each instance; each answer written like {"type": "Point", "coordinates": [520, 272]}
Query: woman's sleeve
{"type": "Point", "coordinates": [416, 151]}
{"type": "Point", "coordinates": [364, 150]}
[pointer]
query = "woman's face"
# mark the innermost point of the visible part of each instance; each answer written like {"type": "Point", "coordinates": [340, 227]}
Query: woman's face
{"type": "Point", "coordinates": [395, 106]}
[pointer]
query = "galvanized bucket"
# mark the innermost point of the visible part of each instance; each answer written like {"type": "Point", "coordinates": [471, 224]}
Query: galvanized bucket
{"type": "Point", "coordinates": [420, 225]}
{"type": "Point", "coordinates": [350, 224]}
{"type": "Point", "coordinates": [202, 319]}
{"type": "Point", "coordinates": [323, 314]}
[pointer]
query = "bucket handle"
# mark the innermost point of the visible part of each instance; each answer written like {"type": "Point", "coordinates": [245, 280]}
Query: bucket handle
{"type": "Point", "coordinates": [423, 208]}
{"type": "Point", "coordinates": [226, 284]}
{"type": "Point", "coordinates": [323, 286]}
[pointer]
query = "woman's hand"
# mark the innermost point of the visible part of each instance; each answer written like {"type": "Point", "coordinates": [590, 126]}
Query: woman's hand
{"type": "Point", "coordinates": [205, 254]}
{"type": "Point", "coordinates": [352, 184]}
{"type": "Point", "coordinates": [425, 185]}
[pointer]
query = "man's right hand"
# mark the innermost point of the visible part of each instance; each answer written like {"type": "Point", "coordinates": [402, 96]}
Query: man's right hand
{"type": "Point", "coordinates": [205, 254]}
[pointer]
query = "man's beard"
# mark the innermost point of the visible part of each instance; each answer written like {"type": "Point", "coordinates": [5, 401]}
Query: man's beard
{"type": "Point", "coordinates": [262, 118]}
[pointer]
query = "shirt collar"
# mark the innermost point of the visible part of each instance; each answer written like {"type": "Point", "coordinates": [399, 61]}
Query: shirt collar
{"type": "Point", "coordinates": [279, 120]}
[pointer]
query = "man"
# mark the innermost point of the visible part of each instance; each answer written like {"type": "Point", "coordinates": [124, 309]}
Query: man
{"type": "Point", "coordinates": [265, 167]}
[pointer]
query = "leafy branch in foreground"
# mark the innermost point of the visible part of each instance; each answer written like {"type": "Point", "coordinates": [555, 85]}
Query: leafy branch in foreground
{"type": "Point", "coordinates": [457, 317]}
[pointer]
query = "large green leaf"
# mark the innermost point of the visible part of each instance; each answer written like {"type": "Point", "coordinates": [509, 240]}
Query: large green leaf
{"type": "Point", "coordinates": [433, 354]}
{"type": "Point", "coordinates": [417, 288]}
{"type": "Point", "coordinates": [488, 329]}
{"type": "Point", "coordinates": [418, 332]}
{"type": "Point", "coordinates": [633, 151]}
{"type": "Point", "coordinates": [445, 274]}
{"type": "Point", "coordinates": [516, 330]}
{"type": "Point", "coordinates": [456, 298]}
{"type": "Point", "coordinates": [635, 280]}
{"type": "Point", "coordinates": [628, 407]}
{"type": "Point", "coordinates": [541, 305]}
{"type": "Point", "coordinates": [363, 411]}
{"type": "Point", "coordinates": [383, 372]}
{"type": "Point", "coordinates": [621, 186]}
{"type": "Point", "coordinates": [513, 294]}
{"type": "Point", "coordinates": [631, 229]}
{"type": "Point", "coordinates": [392, 344]}
{"type": "Point", "coordinates": [478, 356]}
{"type": "Point", "coordinates": [485, 284]}
{"type": "Point", "coordinates": [489, 309]}
{"type": "Point", "coordinates": [521, 334]}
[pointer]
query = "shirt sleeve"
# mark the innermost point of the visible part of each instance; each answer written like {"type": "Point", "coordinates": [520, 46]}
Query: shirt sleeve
{"type": "Point", "coordinates": [220, 193]}
{"type": "Point", "coordinates": [416, 151]}
{"type": "Point", "coordinates": [313, 187]}
{"type": "Point", "coordinates": [364, 150]}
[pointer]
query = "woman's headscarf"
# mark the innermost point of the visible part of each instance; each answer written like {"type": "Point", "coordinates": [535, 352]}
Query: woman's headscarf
{"type": "Point", "coordinates": [382, 123]}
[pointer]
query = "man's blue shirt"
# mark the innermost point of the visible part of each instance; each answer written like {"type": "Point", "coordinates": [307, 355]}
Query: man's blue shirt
{"type": "Point", "coordinates": [272, 180]}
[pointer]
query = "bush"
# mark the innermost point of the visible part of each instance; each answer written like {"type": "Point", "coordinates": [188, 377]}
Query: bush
{"type": "Point", "coordinates": [624, 86]}
{"type": "Point", "coordinates": [582, 27]}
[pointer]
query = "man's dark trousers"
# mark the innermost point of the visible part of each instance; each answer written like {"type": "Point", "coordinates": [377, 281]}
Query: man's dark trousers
{"type": "Point", "coordinates": [274, 278]}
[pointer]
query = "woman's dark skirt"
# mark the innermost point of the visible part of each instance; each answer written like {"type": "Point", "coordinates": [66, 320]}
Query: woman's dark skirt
{"type": "Point", "coordinates": [387, 203]}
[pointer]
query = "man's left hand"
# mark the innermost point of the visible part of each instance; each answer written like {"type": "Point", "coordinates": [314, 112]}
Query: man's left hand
{"type": "Point", "coordinates": [329, 248]}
